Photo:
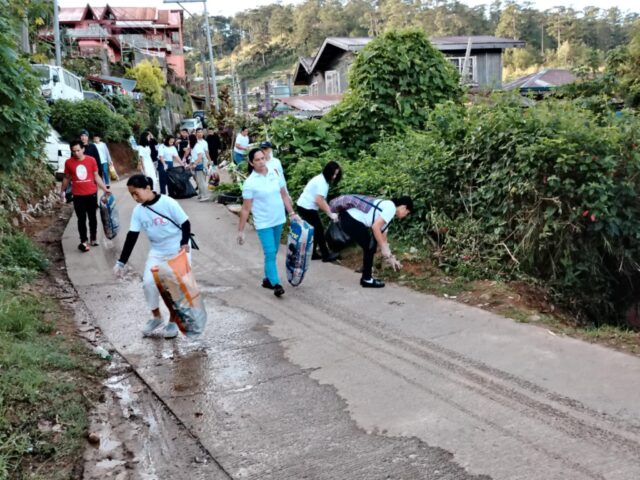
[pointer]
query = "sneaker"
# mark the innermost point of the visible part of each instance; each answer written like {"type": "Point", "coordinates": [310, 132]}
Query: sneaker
{"type": "Point", "coordinates": [203, 199]}
{"type": "Point", "coordinates": [278, 291]}
{"type": "Point", "coordinates": [170, 330]}
{"type": "Point", "coordinates": [152, 325]}
{"type": "Point", "coordinates": [267, 284]}
{"type": "Point", "coordinates": [94, 243]}
{"type": "Point", "coordinates": [332, 257]}
{"type": "Point", "coordinates": [84, 247]}
{"type": "Point", "coordinates": [371, 283]}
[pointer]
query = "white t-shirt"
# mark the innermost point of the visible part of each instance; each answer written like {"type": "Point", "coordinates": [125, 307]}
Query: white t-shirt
{"type": "Point", "coordinates": [316, 186]}
{"type": "Point", "coordinates": [267, 207]}
{"type": "Point", "coordinates": [164, 236]}
{"type": "Point", "coordinates": [103, 150]}
{"type": "Point", "coordinates": [276, 164]}
{"type": "Point", "coordinates": [243, 142]}
{"type": "Point", "coordinates": [195, 151]}
{"type": "Point", "coordinates": [169, 152]}
{"type": "Point", "coordinates": [205, 145]}
{"type": "Point", "coordinates": [388, 212]}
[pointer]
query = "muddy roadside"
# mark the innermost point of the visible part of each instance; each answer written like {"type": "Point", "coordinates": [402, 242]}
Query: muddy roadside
{"type": "Point", "coordinates": [131, 434]}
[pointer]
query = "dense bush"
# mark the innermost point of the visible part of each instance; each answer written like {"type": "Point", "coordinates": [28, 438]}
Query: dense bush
{"type": "Point", "coordinates": [22, 109]}
{"type": "Point", "coordinates": [394, 82]}
{"type": "Point", "coordinates": [68, 118]}
{"type": "Point", "coordinates": [549, 192]}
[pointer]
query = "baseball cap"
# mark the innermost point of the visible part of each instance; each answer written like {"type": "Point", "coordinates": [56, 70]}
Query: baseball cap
{"type": "Point", "coordinates": [266, 145]}
{"type": "Point", "coordinates": [84, 131]}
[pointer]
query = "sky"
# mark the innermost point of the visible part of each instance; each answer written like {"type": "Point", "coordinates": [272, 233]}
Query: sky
{"type": "Point", "coordinates": [227, 8]}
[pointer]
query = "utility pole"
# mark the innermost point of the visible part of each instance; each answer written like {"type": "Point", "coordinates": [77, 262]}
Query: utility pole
{"type": "Point", "coordinates": [214, 87]}
{"type": "Point", "coordinates": [211, 58]}
{"type": "Point", "coordinates": [56, 33]}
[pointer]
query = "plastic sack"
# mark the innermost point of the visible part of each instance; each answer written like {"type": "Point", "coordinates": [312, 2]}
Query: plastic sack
{"type": "Point", "coordinates": [299, 250]}
{"type": "Point", "coordinates": [337, 238]}
{"type": "Point", "coordinates": [113, 175]}
{"type": "Point", "coordinates": [179, 290]}
{"type": "Point", "coordinates": [179, 183]}
{"type": "Point", "coordinates": [109, 216]}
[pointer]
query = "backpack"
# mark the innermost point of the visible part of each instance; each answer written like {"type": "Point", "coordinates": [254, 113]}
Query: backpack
{"type": "Point", "coordinates": [362, 202]}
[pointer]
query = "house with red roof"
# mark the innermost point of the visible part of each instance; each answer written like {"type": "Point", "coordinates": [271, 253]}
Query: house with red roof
{"type": "Point", "coordinates": [147, 32]}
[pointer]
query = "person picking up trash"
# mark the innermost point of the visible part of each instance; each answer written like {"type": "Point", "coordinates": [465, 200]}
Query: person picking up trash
{"type": "Point", "coordinates": [169, 231]}
{"type": "Point", "coordinates": [366, 220]}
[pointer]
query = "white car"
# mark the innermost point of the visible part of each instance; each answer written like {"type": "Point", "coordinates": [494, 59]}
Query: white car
{"type": "Point", "coordinates": [56, 153]}
{"type": "Point", "coordinates": [191, 124]}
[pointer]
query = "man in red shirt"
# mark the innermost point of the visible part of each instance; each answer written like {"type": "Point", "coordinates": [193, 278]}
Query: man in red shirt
{"type": "Point", "coordinates": [82, 171]}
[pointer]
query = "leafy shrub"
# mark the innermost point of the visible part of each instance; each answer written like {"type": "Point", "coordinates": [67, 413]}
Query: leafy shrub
{"type": "Point", "coordinates": [22, 109]}
{"type": "Point", "coordinates": [394, 82]}
{"type": "Point", "coordinates": [548, 192]}
{"type": "Point", "coordinates": [68, 118]}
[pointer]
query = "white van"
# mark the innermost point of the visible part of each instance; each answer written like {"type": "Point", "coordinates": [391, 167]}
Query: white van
{"type": "Point", "coordinates": [56, 83]}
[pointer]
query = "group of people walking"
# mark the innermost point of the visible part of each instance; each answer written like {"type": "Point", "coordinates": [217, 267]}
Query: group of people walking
{"type": "Point", "coordinates": [191, 151]}
{"type": "Point", "coordinates": [265, 197]}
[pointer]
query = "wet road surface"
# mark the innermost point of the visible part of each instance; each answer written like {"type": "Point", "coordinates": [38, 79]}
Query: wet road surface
{"type": "Point", "coordinates": [338, 382]}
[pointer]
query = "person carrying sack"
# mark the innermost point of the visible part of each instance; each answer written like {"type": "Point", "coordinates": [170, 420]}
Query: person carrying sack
{"type": "Point", "coordinates": [366, 221]}
{"type": "Point", "coordinates": [169, 231]}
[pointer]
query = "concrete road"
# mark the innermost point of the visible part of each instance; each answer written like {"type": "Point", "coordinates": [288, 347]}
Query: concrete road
{"type": "Point", "coordinates": [337, 382]}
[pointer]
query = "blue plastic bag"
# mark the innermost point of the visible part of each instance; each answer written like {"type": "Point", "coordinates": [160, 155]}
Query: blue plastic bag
{"type": "Point", "coordinates": [109, 216]}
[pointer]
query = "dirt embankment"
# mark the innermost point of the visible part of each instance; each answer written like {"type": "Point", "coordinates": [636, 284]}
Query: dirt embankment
{"type": "Point", "coordinates": [123, 158]}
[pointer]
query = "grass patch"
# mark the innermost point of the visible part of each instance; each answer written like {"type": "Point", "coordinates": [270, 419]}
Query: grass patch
{"type": "Point", "coordinates": [45, 376]}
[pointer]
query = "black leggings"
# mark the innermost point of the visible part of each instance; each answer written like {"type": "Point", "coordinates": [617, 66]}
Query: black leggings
{"type": "Point", "coordinates": [362, 235]}
{"type": "Point", "coordinates": [86, 206]}
{"type": "Point", "coordinates": [312, 217]}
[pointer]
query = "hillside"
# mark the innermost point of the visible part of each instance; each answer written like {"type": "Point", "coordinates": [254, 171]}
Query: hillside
{"type": "Point", "coordinates": [264, 43]}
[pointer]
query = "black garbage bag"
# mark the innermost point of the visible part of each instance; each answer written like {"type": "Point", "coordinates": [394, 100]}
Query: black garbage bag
{"type": "Point", "coordinates": [179, 183]}
{"type": "Point", "coordinates": [336, 237]}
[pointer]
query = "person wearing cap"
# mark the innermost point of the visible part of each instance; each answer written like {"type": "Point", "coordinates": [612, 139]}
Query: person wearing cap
{"type": "Point", "coordinates": [105, 156]}
{"type": "Point", "coordinates": [241, 146]}
{"type": "Point", "coordinates": [90, 150]}
{"type": "Point", "coordinates": [272, 162]}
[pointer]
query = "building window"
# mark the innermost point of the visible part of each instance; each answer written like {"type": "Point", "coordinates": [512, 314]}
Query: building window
{"type": "Point", "coordinates": [471, 75]}
{"type": "Point", "coordinates": [332, 82]}
{"type": "Point", "coordinates": [313, 90]}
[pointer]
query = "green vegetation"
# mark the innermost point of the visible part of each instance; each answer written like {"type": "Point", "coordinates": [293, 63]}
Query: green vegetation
{"type": "Point", "coordinates": [395, 81]}
{"type": "Point", "coordinates": [68, 118]}
{"type": "Point", "coordinates": [545, 193]}
{"type": "Point", "coordinates": [22, 109]}
{"type": "Point", "coordinates": [43, 408]}
{"type": "Point", "coordinates": [256, 41]}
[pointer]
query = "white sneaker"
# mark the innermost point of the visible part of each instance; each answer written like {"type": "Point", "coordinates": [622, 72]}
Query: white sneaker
{"type": "Point", "coordinates": [152, 325]}
{"type": "Point", "coordinates": [170, 330]}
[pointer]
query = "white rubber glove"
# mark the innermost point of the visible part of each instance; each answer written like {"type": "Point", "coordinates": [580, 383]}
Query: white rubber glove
{"type": "Point", "coordinates": [334, 217]}
{"type": "Point", "coordinates": [385, 250]}
{"type": "Point", "coordinates": [241, 237]}
{"type": "Point", "coordinates": [393, 262]}
{"type": "Point", "coordinates": [119, 269]}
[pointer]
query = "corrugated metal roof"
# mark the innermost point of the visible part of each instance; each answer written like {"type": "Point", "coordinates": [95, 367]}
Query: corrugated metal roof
{"type": "Point", "coordinates": [125, 14]}
{"type": "Point", "coordinates": [71, 14]}
{"type": "Point", "coordinates": [309, 103]}
{"type": "Point", "coordinates": [544, 79]}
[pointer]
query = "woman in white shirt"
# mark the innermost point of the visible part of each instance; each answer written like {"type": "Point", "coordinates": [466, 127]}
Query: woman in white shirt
{"type": "Point", "coordinates": [370, 230]}
{"type": "Point", "coordinates": [241, 146]}
{"type": "Point", "coordinates": [155, 214]}
{"type": "Point", "coordinates": [145, 163]}
{"type": "Point", "coordinates": [265, 196]}
{"type": "Point", "coordinates": [314, 198]}
{"type": "Point", "coordinates": [169, 153]}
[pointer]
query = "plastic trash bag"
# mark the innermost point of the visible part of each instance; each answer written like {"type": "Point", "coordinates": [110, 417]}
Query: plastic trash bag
{"type": "Point", "coordinates": [109, 216]}
{"type": "Point", "coordinates": [113, 174]}
{"type": "Point", "coordinates": [179, 183]}
{"type": "Point", "coordinates": [299, 250]}
{"type": "Point", "coordinates": [337, 238]}
{"type": "Point", "coordinates": [179, 290]}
